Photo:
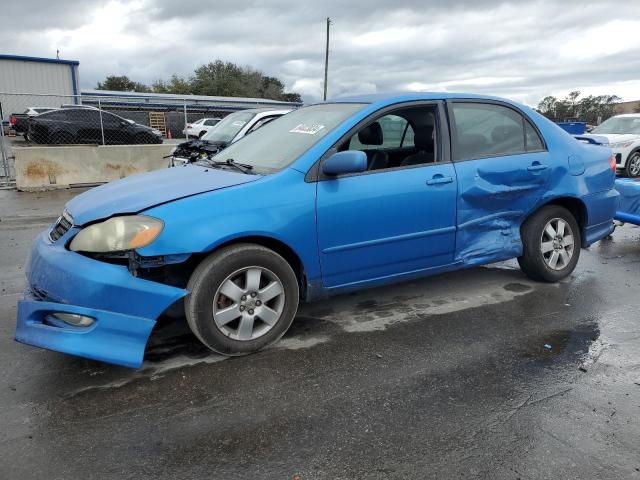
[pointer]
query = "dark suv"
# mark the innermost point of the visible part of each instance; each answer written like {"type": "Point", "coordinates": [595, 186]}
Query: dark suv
{"type": "Point", "coordinates": [85, 125]}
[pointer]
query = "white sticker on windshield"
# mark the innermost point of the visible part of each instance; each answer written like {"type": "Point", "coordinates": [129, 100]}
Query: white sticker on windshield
{"type": "Point", "coordinates": [309, 129]}
{"type": "Point", "coordinates": [238, 123]}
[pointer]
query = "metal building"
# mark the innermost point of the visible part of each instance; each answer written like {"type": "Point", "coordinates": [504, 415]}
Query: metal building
{"type": "Point", "coordinates": [19, 74]}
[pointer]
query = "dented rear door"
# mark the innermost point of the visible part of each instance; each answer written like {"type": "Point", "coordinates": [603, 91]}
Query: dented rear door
{"type": "Point", "coordinates": [503, 169]}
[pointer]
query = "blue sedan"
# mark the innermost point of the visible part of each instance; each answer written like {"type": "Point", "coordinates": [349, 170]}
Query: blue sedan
{"type": "Point", "coordinates": [333, 197]}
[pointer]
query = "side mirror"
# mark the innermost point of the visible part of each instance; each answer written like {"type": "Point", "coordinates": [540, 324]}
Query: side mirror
{"type": "Point", "coordinates": [350, 161]}
{"type": "Point", "coordinates": [123, 123]}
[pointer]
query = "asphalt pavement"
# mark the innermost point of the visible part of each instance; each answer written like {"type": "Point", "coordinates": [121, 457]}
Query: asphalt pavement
{"type": "Point", "coordinates": [474, 374]}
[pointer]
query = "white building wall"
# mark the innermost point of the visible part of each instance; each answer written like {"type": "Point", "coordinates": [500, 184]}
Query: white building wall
{"type": "Point", "coordinates": [35, 77]}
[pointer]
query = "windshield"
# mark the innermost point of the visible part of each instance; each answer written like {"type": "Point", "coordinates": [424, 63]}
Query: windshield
{"type": "Point", "coordinates": [619, 125]}
{"type": "Point", "coordinates": [279, 143]}
{"type": "Point", "coordinates": [225, 130]}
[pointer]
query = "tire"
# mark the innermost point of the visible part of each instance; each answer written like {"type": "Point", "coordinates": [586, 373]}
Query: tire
{"type": "Point", "coordinates": [201, 134]}
{"type": "Point", "coordinates": [232, 332]}
{"type": "Point", "coordinates": [632, 168]}
{"type": "Point", "coordinates": [537, 261]}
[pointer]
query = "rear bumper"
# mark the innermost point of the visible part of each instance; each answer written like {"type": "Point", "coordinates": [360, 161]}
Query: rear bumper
{"type": "Point", "coordinates": [124, 308]}
{"type": "Point", "coordinates": [601, 208]}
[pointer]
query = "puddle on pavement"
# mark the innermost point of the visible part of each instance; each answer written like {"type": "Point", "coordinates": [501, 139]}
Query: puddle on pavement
{"type": "Point", "coordinates": [563, 344]}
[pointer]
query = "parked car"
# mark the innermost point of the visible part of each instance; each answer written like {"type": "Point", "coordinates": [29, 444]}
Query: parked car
{"type": "Point", "coordinates": [19, 122]}
{"type": "Point", "coordinates": [622, 134]}
{"type": "Point", "coordinates": [88, 125]}
{"type": "Point", "coordinates": [231, 129]}
{"type": "Point", "coordinates": [628, 210]}
{"type": "Point", "coordinates": [334, 197]}
{"type": "Point", "coordinates": [198, 128]}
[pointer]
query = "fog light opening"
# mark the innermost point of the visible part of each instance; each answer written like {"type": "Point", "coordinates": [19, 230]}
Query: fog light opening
{"type": "Point", "coordinates": [73, 319]}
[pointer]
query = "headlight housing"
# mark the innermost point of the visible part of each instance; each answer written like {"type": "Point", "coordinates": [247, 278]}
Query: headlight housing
{"type": "Point", "coordinates": [117, 234]}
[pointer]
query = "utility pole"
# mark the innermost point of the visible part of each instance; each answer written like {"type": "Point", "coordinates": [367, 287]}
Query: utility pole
{"type": "Point", "coordinates": [326, 60]}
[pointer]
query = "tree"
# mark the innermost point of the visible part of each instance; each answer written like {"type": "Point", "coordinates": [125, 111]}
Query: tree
{"type": "Point", "coordinates": [216, 78]}
{"type": "Point", "coordinates": [590, 109]}
{"type": "Point", "coordinates": [121, 84]}
{"type": "Point", "coordinates": [176, 85]}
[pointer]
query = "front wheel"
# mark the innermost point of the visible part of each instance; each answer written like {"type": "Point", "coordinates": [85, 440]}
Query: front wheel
{"type": "Point", "coordinates": [242, 298]}
{"type": "Point", "coordinates": [550, 244]}
{"type": "Point", "coordinates": [632, 169]}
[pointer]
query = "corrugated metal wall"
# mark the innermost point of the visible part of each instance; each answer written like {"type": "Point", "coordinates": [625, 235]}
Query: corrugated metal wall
{"type": "Point", "coordinates": [20, 76]}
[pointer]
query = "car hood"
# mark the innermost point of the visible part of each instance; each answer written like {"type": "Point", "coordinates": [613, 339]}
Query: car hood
{"type": "Point", "coordinates": [140, 192]}
{"type": "Point", "coordinates": [613, 137]}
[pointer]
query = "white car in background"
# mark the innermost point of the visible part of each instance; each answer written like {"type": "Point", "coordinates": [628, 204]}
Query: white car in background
{"type": "Point", "coordinates": [231, 129]}
{"type": "Point", "coordinates": [198, 128]}
{"type": "Point", "coordinates": [622, 134]}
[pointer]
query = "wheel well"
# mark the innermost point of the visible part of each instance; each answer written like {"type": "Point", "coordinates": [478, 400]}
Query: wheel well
{"type": "Point", "coordinates": [631, 153]}
{"type": "Point", "coordinates": [280, 248]}
{"type": "Point", "coordinates": [575, 206]}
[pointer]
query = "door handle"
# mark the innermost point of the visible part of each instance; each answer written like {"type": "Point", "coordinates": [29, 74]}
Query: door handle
{"type": "Point", "coordinates": [536, 167]}
{"type": "Point", "coordinates": [439, 179]}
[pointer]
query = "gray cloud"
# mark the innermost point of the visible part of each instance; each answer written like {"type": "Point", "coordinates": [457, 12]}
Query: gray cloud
{"type": "Point", "coordinates": [519, 49]}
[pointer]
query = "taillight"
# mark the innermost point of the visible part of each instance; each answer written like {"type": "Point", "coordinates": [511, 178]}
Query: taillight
{"type": "Point", "coordinates": [189, 125]}
{"type": "Point", "coordinates": [612, 163]}
{"type": "Point", "coordinates": [12, 120]}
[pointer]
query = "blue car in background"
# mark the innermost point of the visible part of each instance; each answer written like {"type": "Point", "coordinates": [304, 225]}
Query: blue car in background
{"type": "Point", "coordinates": [334, 197]}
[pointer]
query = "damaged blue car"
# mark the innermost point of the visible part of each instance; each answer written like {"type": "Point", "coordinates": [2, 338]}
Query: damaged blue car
{"type": "Point", "coordinates": [333, 197]}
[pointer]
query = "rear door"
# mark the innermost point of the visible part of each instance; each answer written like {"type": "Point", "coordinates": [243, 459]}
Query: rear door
{"type": "Point", "coordinates": [503, 169]}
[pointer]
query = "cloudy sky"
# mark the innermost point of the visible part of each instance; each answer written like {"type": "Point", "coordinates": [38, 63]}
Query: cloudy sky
{"type": "Point", "coordinates": [521, 49]}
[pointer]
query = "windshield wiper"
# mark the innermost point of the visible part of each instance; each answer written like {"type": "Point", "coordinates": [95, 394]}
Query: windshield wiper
{"type": "Point", "coordinates": [230, 162]}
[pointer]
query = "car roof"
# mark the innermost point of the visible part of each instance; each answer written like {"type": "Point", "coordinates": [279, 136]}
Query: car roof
{"type": "Point", "coordinates": [630, 115]}
{"type": "Point", "coordinates": [270, 110]}
{"type": "Point", "coordinates": [398, 97]}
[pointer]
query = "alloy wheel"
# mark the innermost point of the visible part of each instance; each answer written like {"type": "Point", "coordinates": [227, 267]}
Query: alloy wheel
{"type": "Point", "coordinates": [634, 165]}
{"type": "Point", "coordinates": [248, 303]}
{"type": "Point", "coordinates": [557, 244]}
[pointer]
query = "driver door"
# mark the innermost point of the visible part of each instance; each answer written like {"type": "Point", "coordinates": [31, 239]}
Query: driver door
{"type": "Point", "coordinates": [393, 221]}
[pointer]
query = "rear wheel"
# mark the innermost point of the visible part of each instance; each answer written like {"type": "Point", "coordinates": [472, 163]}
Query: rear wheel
{"type": "Point", "coordinates": [632, 170]}
{"type": "Point", "coordinates": [242, 298]}
{"type": "Point", "coordinates": [202, 133]}
{"type": "Point", "coordinates": [550, 244]}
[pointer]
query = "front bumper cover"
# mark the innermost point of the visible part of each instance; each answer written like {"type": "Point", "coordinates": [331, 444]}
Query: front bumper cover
{"type": "Point", "coordinates": [125, 308]}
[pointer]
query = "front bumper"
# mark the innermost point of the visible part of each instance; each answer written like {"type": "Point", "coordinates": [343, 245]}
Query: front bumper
{"type": "Point", "coordinates": [124, 308]}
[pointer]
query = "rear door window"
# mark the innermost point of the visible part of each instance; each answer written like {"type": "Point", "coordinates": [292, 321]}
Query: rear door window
{"type": "Point", "coordinates": [486, 130]}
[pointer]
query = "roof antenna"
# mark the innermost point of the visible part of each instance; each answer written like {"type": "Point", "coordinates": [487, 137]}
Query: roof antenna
{"type": "Point", "coordinates": [58, 54]}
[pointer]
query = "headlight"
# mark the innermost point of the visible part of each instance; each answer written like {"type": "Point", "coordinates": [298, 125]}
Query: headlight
{"type": "Point", "coordinates": [117, 234]}
{"type": "Point", "coordinates": [621, 144]}
{"type": "Point", "coordinates": [156, 132]}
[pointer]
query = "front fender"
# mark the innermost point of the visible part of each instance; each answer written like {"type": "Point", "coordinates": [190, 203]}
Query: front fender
{"type": "Point", "coordinates": [280, 206]}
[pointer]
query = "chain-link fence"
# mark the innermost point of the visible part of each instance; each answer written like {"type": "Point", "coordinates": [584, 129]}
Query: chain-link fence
{"type": "Point", "coordinates": [107, 119]}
